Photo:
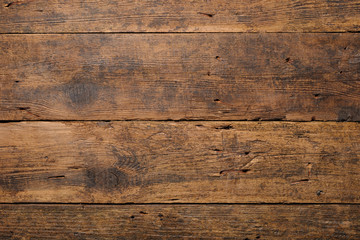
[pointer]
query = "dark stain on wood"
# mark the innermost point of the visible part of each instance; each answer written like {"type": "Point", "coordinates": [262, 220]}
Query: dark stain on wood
{"type": "Point", "coordinates": [81, 93]}
{"type": "Point", "coordinates": [348, 113]}
{"type": "Point", "coordinates": [123, 173]}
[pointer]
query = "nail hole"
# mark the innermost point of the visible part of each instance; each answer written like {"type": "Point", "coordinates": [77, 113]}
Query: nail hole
{"type": "Point", "coordinates": [247, 152]}
{"type": "Point", "coordinates": [23, 108]}
{"type": "Point", "coordinates": [216, 150]}
{"type": "Point", "coordinates": [341, 72]}
{"type": "Point", "coordinates": [245, 170]}
{"type": "Point", "coordinates": [142, 212]}
{"type": "Point", "coordinates": [316, 95]}
{"type": "Point", "coordinates": [313, 118]}
{"type": "Point", "coordinates": [216, 100]}
{"type": "Point", "coordinates": [217, 57]}
{"type": "Point", "coordinates": [132, 216]}
{"type": "Point", "coordinates": [17, 81]}
{"type": "Point", "coordinates": [319, 192]}
{"type": "Point", "coordinates": [160, 215]}
{"type": "Point", "coordinates": [209, 73]}
{"type": "Point", "coordinates": [287, 59]}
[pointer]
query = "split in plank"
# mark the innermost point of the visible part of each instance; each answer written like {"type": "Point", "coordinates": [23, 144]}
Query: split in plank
{"type": "Point", "coordinates": [185, 76]}
{"type": "Point", "coordinates": [187, 162]}
{"type": "Point", "coordinates": [43, 16]}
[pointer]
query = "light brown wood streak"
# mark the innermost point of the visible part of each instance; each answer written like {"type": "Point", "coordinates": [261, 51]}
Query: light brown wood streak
{"type": "Point", "coordinates": [180, 222]}
{"type": "Point", "coordinates": [43, 16]}
{"type": "Point", "coordinates": [189, 162]}
{"type": "Point", "coordinates": [184, 76]}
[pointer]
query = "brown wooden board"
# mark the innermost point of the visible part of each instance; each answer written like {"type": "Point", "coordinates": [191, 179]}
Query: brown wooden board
{"type": "Point", "coordinates": [187, 162]}
{"type": "Point", "coordinates": [226, 76]}
{"type": "Point", "coordinates": [180, 222]}
{"type": "Point", "coordinates": [95, 98]}
{"type": "Point", "coordinates": [43, 16]}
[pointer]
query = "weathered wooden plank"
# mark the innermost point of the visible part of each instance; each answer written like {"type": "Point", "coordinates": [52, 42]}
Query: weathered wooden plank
{"type": "Point", "coordinates": [189, 76]}
{"type": "Point", "coordinates": [180, 222]}
{"type": "Point", "coordinates": [43, 16]}
{"type": "Point", "coordinates": [189, 162]}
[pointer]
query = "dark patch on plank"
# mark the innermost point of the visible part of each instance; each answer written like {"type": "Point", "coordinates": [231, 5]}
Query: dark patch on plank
{"type": "Point", "coordinates": [81, 91]}
{"type": "Point", "coordinates": [348, 113]}
{"type": "Point", "coordinates": [125, 172]}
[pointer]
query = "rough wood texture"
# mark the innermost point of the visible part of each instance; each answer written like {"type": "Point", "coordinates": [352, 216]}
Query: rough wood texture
{"type": "Point", "coordinates": [189, 76]}
{"type": "Point", "coordinates": [43, 16]}
{"type": "Point", "coordinates": [180, 222]}
{"type": "Point", "coordinates": [179, 60]}
{"type": "Point", "coordinates": [198, 162]}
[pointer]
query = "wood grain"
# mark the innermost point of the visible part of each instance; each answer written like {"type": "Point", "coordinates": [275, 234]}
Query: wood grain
{"type": "Point", "coordinates": [72, 71]}
{"type": "Point", "coordinates": [42, 16]}
{"type": "Point", "coordinates": [183, 76]}
{"type": "Point", "coordinates": [187, 162]}
{"type": "Point", "coordinates": [180, 222]}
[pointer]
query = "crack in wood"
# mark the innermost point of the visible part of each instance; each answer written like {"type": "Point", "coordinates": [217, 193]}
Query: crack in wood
{"type": "Point", "coordinates": [300, 181]}
{"type": "Point", "coordinates": [56, 177]}
{"type": "Point", "coordinates": [206, 14]}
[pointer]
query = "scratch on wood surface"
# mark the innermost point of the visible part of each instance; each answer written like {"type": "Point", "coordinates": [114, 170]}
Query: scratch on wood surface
{"type": "Point", "coordinates": [242, 170]}
{"type": "Point", "coordinates": [17, 3]}
{"type": "Point", "coordinates": [251, 162]}
{"type": "Point", "coordinates": [225, 127]}
{"type": "Point", "coordinates": [27, 110]}
{"type": "Point", "coordinates": [300, 181]}
{"type": "Point", "coordinates": [309, 166]}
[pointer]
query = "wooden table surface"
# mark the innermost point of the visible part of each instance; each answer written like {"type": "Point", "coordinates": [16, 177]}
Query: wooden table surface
{"type": "Point", "coordinates": [201, 119]}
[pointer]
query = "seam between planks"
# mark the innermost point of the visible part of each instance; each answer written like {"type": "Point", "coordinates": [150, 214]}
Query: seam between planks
{"type": "Point", "coordinates": [155, 203]}
{"type": "Point", "coordinates": [167, 33]}
{"type": "Point", "coordinates": [181, 120]}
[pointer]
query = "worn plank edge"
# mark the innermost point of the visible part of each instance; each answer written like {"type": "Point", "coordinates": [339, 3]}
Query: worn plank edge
{"type": "Point", "coordinates": [179, 203]}
{"type": "Point", "coordinates": [176, 120]}
{"type": "Point", "coordinates": [167, 33]}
